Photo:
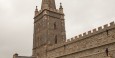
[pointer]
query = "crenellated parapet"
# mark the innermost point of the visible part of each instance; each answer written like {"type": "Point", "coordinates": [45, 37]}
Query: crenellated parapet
{"type": "Point", "coordinates": [92, 32]}
{"type": "Point", "coordinates": [99, 30]}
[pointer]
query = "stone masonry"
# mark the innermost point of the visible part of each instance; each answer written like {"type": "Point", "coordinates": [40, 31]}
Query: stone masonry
{"type": "Point", "coordinates": [92, 45]}
{"type": "Point", "coordinates": [50, 38]}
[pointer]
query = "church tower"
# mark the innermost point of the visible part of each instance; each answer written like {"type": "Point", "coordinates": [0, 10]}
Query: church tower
{"type": "Point", "coordinates": [49, 27]}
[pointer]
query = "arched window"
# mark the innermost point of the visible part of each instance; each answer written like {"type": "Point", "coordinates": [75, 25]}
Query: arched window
{"type": "Point", "coordinates": [55, 27]}
{"type": "Point", "coordinates": [56, 39]}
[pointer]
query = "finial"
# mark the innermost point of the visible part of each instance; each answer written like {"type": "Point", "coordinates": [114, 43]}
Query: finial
{"type": "Point", "coordinates": [36, 11]}
{"type": "Point", "coordinates": [36, 8]}
{"type": "Point", "coordinates": [61, 8]}
{"type": "Point", "coordinates": [60, 5]}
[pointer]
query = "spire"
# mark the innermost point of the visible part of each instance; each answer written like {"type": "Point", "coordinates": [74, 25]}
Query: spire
{"type": "Point", "coordinates": [47, 4]}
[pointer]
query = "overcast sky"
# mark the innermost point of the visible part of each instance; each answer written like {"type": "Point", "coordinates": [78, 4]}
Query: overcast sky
{"type": "Point", "coordinates": [16, 21]}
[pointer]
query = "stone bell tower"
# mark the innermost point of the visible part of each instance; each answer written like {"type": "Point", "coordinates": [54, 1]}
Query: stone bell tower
{"type": "Point", "coordinates": [49, 27]}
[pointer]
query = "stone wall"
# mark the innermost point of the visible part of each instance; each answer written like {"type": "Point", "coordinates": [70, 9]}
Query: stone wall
{"type": "Point", "coordinates": [89, 45]}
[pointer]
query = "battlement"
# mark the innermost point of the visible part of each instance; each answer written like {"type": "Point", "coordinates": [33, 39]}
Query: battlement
{"type": "Point", "coordinates": [101, 29]}
{"type": "Point", "coordinates": [92, 32]}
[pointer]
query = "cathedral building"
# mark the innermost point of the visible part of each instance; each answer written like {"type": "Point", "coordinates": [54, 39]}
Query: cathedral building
{"type": "Point", "coordinates": [49, 38]}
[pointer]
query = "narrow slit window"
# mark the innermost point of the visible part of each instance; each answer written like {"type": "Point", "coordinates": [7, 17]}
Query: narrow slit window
{"type": "Point", "coordinates": [55, 39]}
{"type": "Point", "coordinates": [107, 52]}
{"type": "Point", "coordinates": [55, 27]}
{"type": "Point", "coordinates": [107, 32]}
